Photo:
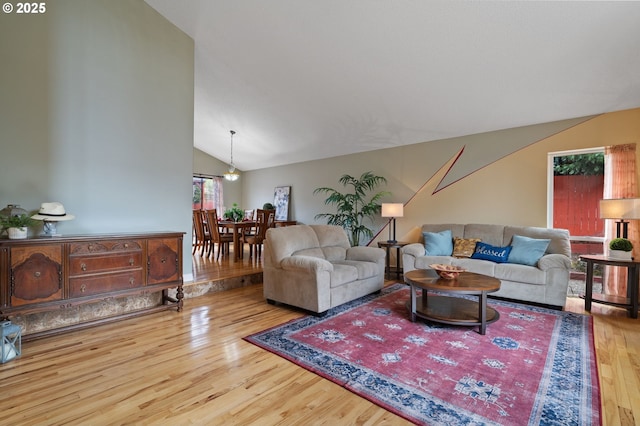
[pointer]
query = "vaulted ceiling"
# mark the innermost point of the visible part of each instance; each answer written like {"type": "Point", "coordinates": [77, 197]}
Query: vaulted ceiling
{"type": "Point", "coordinates": [301, 80]}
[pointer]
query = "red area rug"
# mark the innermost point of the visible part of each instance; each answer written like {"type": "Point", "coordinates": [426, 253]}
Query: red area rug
{"type": "Point", "coordinates": [534, 366]}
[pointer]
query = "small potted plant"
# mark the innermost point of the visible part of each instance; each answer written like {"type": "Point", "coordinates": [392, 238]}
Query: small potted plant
{"type": "Point", "coordinates": [16, 226]}
{"type": "Point", "coordinates": [620, 248]}
{"type": "Point", "coordinates": [268, 206]}
{"type": "Point", "coordinates": [234, 213]}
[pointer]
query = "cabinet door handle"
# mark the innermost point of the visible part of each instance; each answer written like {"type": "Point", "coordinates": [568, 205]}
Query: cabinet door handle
{"type": "Point", "coordinates": [163, 260]}
{"type": "Point", "coordinates": [83, 287]}
{"type": "Point", "coordinates": [83, 266]}
{"type": "Point", "coordinates": [131, 261]}
{"type": "Point", "coordinates": [37, 274]}
{"type": "Point", "coordinates": [132, 281]}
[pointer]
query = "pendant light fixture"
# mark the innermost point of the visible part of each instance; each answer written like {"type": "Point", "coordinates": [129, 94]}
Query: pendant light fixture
{"type": "Point", "coordinates": [232, 175]}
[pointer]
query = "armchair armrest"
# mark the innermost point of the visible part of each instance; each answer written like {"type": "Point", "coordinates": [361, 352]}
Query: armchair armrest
{"type": "Point", "coordinates": [549, 261]}
{"type": "Point", "coordinates": [306, 263]}
{"type": "Point", "coordinates": [302, 281]}
{"type": "Point", "coordinates": [367, 254]}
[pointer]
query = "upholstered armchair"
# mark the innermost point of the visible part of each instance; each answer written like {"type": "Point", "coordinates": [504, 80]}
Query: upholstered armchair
{"type": "Point", "coordinates": [313, 267]}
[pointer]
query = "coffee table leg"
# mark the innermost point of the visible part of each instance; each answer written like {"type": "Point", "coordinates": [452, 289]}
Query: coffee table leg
{"type": "Point", "coordinates": [483, 313]}
{"type": "Point", "coordinates": [413, 303]}
{"type": "Point", "coordinates": [425, 301]}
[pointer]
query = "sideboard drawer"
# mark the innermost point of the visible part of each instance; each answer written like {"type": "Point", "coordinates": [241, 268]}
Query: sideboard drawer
{"type": "Point", "coordinates": [106, 246]}
{"type": "Point", "coordinates": [103, 284]}
{"type": "Point", "coordinates": [82, 265]}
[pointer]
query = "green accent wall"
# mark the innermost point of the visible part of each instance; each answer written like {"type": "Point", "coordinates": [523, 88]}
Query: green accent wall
{"type": "Point", "coordinates": [96, 112]}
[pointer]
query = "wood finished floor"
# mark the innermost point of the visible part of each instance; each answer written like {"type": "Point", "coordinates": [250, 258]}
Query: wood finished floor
{"type": "Point", "coordinates": [193, 367]}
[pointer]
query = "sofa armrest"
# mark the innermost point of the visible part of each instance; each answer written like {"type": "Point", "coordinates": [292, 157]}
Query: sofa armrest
{"type": "Point", "coordinates": [409, 255]}
{"type": "Point", "coordinates": [367, 254]}
{"type": "Point", "coordinates": [306, 263]}
{"type": "Point", "coordinates": [415, 250]}
{"type": "Point", "coordinates": [549, 261]}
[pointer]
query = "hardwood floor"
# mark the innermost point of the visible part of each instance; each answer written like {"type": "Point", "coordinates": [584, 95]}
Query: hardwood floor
{"type": "Point", "coordinates": [194, 368]}
{"type": "Point", "coordinates": [210, 268]}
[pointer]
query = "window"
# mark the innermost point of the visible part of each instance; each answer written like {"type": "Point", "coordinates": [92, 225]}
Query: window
{"type": "Point", "coordinates": [207, 193]}
{"type": "Point", "coordinates": [576, 184]}
{"type": "Point", "coordinates": [575, 187]}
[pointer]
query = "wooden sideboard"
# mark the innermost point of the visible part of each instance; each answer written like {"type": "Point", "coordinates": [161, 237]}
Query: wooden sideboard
{"type": "Point", "coordinates": [52, 273]}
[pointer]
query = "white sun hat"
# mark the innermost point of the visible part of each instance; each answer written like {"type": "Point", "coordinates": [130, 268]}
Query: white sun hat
{"type": "Point", "coordinates": [52, 212]}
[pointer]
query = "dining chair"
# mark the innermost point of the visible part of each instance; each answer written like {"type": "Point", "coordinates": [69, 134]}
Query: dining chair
{"type": "Point", "coordinates": [264, 220]}
{"type": "Point", "coordinates": [221, 238]}
{"type": "Point", "coordinates": [271, 219]}
{"type": "Point", "coordinates": [203, 238]}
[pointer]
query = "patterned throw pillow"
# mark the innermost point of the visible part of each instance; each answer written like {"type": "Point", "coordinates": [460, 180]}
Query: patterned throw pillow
{"type": "Point", "coordinates": [464, 247]}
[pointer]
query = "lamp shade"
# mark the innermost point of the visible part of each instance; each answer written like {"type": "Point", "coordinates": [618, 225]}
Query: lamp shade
{"type": "Point", "coordinates": [620, 208]}
{"type": "Point", "coordinates": [392, 210]}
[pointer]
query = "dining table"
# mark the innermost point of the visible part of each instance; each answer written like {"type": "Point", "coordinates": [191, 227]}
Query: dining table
{"type": "Point", "coordinates": [237, 229]}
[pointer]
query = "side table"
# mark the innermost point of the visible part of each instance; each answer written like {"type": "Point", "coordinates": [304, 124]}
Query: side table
{"type": "Point", "coordinates": [633, 274]}
{"type": "Point", "coordinates": [388, 245]}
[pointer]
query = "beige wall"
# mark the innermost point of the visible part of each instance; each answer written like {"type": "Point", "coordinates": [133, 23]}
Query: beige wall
{"type": "Point", "coordinates": [500, 177]}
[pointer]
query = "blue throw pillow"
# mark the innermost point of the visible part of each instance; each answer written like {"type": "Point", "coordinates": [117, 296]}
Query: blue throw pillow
{"type": "Point", "coordinates": [438, 243]}
{"type": "Point", "coordinates": [527, 251]}
{"type": "Point", "coordinates": [486, 251]}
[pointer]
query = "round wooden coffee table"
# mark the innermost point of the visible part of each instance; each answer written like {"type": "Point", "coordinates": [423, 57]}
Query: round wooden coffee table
{"type": "Point", "coordinates": [452, 310]}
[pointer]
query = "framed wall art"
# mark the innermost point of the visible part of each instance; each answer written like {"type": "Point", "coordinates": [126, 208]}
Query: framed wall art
{"type": "Point", "coordinates": [281, 202]}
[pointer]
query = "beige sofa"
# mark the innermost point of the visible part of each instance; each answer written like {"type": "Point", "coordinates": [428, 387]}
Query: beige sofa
{"type": "Point", "coordinates": [314, 267]}
{"type": "Point", "coordinates": [545, 283]}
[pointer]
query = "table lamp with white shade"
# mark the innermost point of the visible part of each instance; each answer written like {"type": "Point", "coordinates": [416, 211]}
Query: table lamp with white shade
{"type": "Point", "coordinates": [393, 211]}
{"type": "Point", "coordinates": [621, 209]}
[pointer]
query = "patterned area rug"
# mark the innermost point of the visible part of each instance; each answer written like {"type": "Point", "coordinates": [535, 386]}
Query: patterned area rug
{"type": "Point", "coordinates": [534, 366]}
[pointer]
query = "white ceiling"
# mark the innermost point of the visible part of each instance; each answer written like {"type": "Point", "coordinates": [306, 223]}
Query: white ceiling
{"type": "Point", "coordinates": [308, 79]}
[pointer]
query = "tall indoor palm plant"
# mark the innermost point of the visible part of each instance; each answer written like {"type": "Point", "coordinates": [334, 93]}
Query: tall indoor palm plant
{"type": "Point", "coordinates": [353, 207]}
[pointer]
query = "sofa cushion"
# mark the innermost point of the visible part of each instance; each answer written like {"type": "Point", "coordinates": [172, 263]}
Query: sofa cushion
{"type": "Point", "coordinates": [520, 273]}
{"type": "Point", "coordinates": [527, 251]}
{"type": "Point", "coordinates": [423, 262]}
{"type": "Point", "coordinates": [290, 239]}
{"type": "Point", "coordinates": [367, 254]}
{"type": "Point", "coordinates": [560, 242]}
{"type": "Point", "coordinates": [365, 269]}
{"type": "Point", "coordinates": [464, 247]}
{"type": "Point", "coordinates": [313, 252]}
{"type": "Point", "coordinates": [438, 243]}
{"type": "Point", "coordinates": [490, 234]}
{"type": "Point", "coordinates": [484, 267]}
{"type": "Point", "coordinates": [496, 254]}
{"type": "Point", "coordinates": [332, 253]}
{"type": "Point", "coordinates": [329, 235]}
{"type": "Point", "coordinates": [343, 274]}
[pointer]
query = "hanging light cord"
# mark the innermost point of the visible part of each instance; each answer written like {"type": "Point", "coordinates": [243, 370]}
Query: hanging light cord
{"type": "Point", "coordinates": [233, 167]}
